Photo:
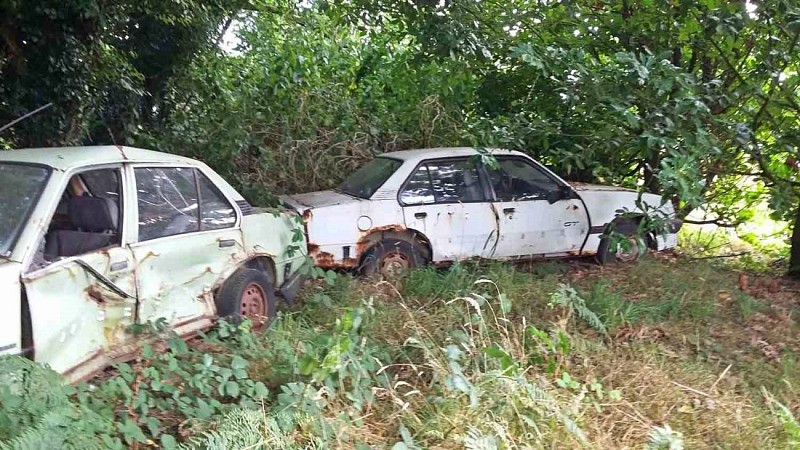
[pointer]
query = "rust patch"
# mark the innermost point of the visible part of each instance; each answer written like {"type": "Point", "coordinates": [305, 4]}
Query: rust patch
{"type": "Point", "coordinates": [327, 260]}
{"type": "Point", "coordinates": [349, 262]}
{"type": "Point", "coordinates": [115, 336]}
{"type": "Point", "coordinates": [94, 294]}
{"type": "Point", "coordinates": [496, 218]}
{"type": "Point", "coordinates": [148, 255]}
{"type": "Point", "coordinates": [324, 260]}
{"type": "Point", "coordinates": [364, 242]}
{"type": "Point", "coordinates": [122, 152]}
{"type": "Point", "coordinates": [200, 275]}
{"type": "Point", "coordinates": [385, 228]}
{"type": "Point", "coordinates": [97, 354]}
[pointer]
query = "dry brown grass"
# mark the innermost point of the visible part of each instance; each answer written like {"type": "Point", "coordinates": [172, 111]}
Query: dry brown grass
{"type": "Point", "coordinates": [693, 365]}
{"type": "Point", "coordinates": [658, 388]}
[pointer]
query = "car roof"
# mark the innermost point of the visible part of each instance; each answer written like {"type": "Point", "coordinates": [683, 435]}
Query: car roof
{"type": "Point", "coordinates": [66, 158]}
{"type": "Point", "coordinates": [419, 154]}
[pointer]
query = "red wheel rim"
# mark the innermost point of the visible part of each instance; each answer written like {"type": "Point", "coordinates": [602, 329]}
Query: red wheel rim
{"type": "Point", "coordinates": [254, 301]}
{"type": "Point", "coordinates": [395, 265]}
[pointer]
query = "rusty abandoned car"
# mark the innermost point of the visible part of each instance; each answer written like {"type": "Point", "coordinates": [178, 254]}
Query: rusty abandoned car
{"type": "Point", "coordinates": [96, 239]}
{"type": "Point", "coordinates": [409, 208]}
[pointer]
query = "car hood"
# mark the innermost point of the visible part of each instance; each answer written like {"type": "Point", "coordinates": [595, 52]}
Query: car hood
{"type": "Point", "coordinates": [317, 199]}
{"type": "Point", "coordinates": [597, 187]}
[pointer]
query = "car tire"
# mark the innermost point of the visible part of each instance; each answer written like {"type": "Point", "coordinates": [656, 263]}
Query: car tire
{"type": "Point", "coordinates": [248, 293]}
{"type": "Point", "coordinates": [635, 248]}
{"type": "Point", "coordinates": [392, 259]}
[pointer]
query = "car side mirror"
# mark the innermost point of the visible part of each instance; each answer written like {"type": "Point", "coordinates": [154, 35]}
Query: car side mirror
{"type": "Point", "coordinates": [563, 192]}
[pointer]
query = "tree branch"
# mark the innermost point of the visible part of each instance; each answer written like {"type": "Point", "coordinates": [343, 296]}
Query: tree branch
{"type": "Point", "coordinates": [710, 222]}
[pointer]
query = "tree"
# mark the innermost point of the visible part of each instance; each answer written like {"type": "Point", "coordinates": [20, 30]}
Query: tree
{"type": "Point", "coordinates": [105, 66]}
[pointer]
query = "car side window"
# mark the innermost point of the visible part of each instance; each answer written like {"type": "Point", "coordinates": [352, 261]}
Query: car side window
{"type": "Point", "coordinates": [215, 211]}
{"type": "Point", "coordinates": [101, 185]}
{"type": "Point", "coordinates": [418, 189]}
{"type": "Point", "coordinates": [85, 220]}
{"type": "Point", "coordinates": [443, 181]}
{"type": "Point", "coordinates": [516, 180]}
{"type": "Point", "coordinates": [455, 181]}
{"type": "Point", "coordinates": [167, 201]}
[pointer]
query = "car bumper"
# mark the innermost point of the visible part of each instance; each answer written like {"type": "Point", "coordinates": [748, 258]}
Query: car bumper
{"type": "Point", "coordinates": [669, 239]}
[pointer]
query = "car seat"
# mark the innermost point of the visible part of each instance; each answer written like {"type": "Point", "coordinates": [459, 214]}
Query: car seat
{"type": "Point", "coordinates": [96, 225]}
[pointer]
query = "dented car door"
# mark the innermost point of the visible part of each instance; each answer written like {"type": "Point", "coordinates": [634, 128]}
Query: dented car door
{"type": "Point", "coordinates": [446, 200]}
{"type": "Point", "coordinates": [538, 214]}
{"type": "Point", "coordinates": [81, 289]}
{"type": "Point", "coordinates": [80, 309]}
{"type": "Point", "coordinates": [188, 236]}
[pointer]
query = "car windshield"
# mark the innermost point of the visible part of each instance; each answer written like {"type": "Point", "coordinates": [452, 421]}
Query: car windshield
{"type": "Point", "coordinates": [366, 180]}
{"type": "Point", "coordinates": [20, 186]}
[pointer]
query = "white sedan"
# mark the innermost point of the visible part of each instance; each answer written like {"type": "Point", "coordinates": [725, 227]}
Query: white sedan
{"type": "Point", "coordinates": [410, 208]}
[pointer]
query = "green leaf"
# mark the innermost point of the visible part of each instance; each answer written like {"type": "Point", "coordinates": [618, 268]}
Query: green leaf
{"type": "Point", "coordinates": [260, 390]}
{"type": "Point", "coordinates": [307, 365]}
{"type": "Point", "coordinates": [239, 363]}
{"type": "Point", "coordinates": [131, 432]}
{"type": "Point", "coordinates": [232, 389]}
{"type": "Point", "coordinates": [168, 442]}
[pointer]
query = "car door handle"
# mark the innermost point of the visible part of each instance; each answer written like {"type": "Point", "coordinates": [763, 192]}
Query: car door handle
{"type": "Point", "coordinates": [225, 243]}
{"type": "Point", "coordinates": [420, 215]}
{"type": "Point", "coordinates": [117, 266]}
{"type": "Point", "coordinates": [508, 210]}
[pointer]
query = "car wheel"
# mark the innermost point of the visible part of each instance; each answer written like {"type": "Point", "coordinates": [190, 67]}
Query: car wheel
{"type": "Point", "coordinates": [392, 259]}
{"type": "Point", "coordinates": [248, 293]}
{"type": "Point", "coordinates": [628, 249]}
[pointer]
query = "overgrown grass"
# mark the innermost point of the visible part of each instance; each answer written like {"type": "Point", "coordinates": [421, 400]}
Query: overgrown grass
{"type": "Point", "coordinates": [479, 356]}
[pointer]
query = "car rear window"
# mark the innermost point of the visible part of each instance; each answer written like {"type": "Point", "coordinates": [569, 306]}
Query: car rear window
{"type": "Point", "coordinates": [368, 179]}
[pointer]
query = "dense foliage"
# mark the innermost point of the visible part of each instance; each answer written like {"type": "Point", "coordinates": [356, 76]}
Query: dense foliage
{"type": "Point", "coordinates": [694, 99]}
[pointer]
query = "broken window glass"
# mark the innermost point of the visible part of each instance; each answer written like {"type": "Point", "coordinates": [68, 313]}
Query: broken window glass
{"type": "Point", "coordinates": [215, 210]}
{"type": "Point", "coordinates": [167, 202]}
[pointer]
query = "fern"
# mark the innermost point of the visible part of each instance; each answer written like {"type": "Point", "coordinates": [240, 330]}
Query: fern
{"type": "Point", "coordinates": [537, 400]}
{"type": "Point", "coordinates": [65, 428]}
{"type": "Point", "coordinates": [566, 296]}
{"type": "Point", "coordinates": [36, 411]}
{"type": "Point", "coordinates": [476, 440]}
{"type": "Point", "coordinates": [665, 438]}
{"type": "Point", "coordinates": [248, 429]}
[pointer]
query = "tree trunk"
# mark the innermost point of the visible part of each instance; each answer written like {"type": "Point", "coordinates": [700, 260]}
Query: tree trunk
{"type": "Point", "coordinates": [794, 258]}
{"type": "Point", "coordinates": [651, 167]}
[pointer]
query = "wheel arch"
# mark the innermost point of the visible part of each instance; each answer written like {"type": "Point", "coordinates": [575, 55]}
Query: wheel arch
{"type": "Point", "coordinates": [263, 263]}
{"type": "Point", "coordinates": [410, 235]}
{"type": "Point", "coordinates": [630, 225]}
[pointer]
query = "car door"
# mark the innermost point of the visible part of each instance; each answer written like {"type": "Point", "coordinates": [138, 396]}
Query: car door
{"type": "Point", "coordinates": [187, 235]}
{"type": "Point", "coordinates": [538, 213]}
{"type": "Point", "coordinates": [81, 285]}
{"type": "Point", "coordinates": [446, 200]}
